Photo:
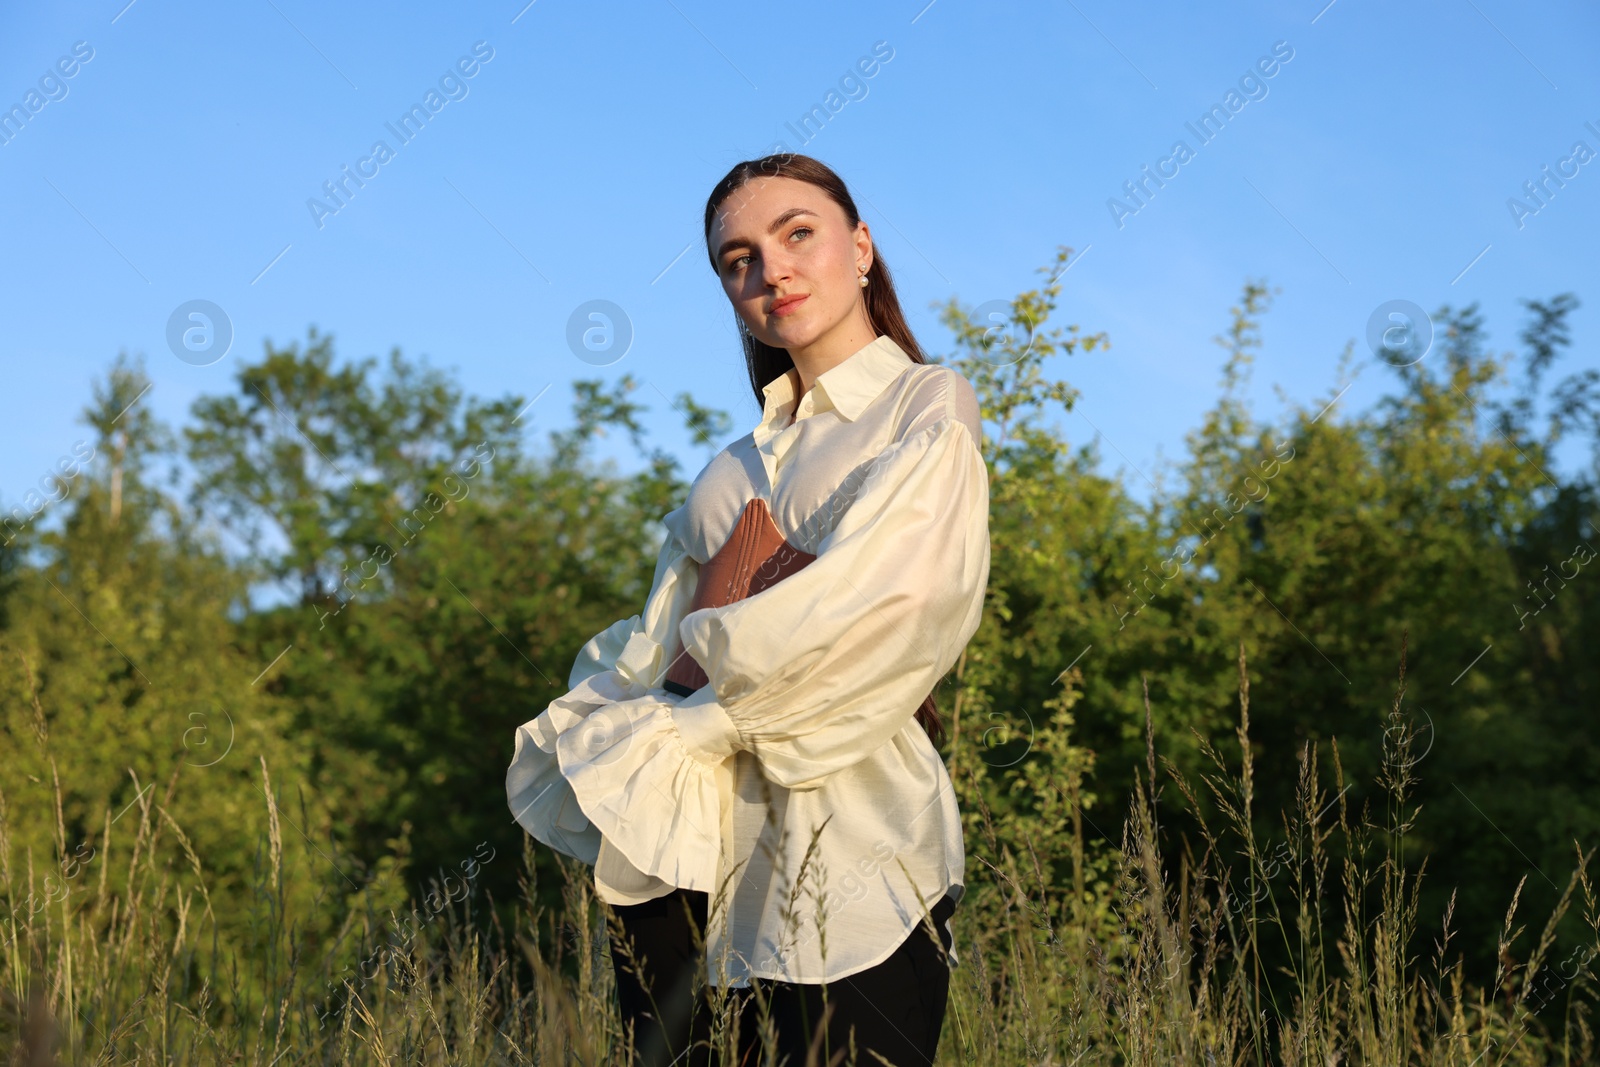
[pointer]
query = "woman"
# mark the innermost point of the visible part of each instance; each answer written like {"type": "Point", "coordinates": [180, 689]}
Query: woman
{"type": "Point", "coordinates": [748, 764]}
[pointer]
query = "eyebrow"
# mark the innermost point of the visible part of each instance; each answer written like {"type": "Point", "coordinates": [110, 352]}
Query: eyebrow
{"type": "Point", "coordinates": [736, 242]}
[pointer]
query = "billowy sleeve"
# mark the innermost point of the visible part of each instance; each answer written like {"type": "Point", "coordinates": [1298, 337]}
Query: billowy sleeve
{"type": "Point", "coordinates": [605, 761]}
{"type": "Point", "coordinates": [818, 670]}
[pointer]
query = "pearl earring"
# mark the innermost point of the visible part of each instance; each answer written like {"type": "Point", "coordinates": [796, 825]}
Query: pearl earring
{"type": "Point", "coordinates": [863, 277]}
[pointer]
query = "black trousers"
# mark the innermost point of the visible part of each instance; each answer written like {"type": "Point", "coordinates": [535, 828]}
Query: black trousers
{"type": "Point", "coordinates": [895, 1009]}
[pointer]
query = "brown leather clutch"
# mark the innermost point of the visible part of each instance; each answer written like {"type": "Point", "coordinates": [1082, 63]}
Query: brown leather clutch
{"type": "Point", "coordinates": [755, 557]}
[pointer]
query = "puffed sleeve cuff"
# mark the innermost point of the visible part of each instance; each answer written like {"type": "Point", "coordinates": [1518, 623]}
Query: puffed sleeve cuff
{"type": "Point", "coordinates": [709, 735]}
{"type": "Point", "coordinates": [634, 777]}
{"type": "Point", "coordinates": [541, 800]}
{"type": "Point", "coordinates": [607, 759]}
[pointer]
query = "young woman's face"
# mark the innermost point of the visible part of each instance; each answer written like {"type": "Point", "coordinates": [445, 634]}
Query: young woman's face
{"type": "Point", "coordinates": [779, 238]}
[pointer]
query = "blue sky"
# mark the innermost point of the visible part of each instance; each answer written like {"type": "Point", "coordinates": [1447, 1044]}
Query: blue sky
{"type": "Point", "coordinates": [1374, 164]}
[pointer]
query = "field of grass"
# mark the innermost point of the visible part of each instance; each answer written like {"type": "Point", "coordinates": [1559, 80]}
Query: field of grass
{"type": "Point", "coordinates": [1305, 960]}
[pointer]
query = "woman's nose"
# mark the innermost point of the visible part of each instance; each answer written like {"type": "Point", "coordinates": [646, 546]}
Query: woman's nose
{"type": "Point", "coordinates": [775, 268]}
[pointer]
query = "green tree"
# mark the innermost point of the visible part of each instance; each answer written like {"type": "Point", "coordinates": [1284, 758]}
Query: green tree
{"type": "Point", "coordinates": [123, 699]}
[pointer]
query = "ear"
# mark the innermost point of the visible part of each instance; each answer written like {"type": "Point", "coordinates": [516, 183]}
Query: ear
{"type": "Point", "coordinates": [863, 238]}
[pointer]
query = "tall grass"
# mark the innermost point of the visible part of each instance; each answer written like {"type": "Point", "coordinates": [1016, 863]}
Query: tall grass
{"type": "Point", "coordinates": [1139, 961]}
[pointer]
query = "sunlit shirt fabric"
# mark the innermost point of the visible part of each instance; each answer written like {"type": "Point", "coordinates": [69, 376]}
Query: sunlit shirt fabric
{"type": "Point", "coordinates": [808, 718]}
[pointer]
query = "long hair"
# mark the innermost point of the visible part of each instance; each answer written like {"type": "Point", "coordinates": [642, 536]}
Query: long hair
{"type": "Point", "coordinates": [765, 363]}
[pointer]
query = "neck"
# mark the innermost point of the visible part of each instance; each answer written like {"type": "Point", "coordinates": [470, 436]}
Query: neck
{"type": "Point", "coordinates": [831, 349]}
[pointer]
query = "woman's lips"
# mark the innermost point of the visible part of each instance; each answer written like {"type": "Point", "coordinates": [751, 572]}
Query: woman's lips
{"type": "Point", "coordinates": [788, 304]}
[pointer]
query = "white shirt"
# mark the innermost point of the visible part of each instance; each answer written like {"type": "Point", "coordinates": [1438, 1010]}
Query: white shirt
{"type": "Point", "coordinates": [814, 682]}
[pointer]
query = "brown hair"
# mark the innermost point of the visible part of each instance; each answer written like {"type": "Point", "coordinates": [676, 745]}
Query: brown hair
{"type": "Point", "coordinates": [765, 363]}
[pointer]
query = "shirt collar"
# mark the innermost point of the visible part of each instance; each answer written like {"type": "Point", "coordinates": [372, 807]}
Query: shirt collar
{"type": "Point", "coordinates": [848, 386]}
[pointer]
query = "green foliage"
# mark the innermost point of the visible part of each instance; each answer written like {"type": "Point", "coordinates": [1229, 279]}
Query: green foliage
{"type": "Point", "coordinates": [1321, 548]}
{"type": "Point", "coordinates": [253, 731]}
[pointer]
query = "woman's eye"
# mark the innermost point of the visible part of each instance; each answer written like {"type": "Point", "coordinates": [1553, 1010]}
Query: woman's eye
{"type": "Point", "coordinates": [738, 262]}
